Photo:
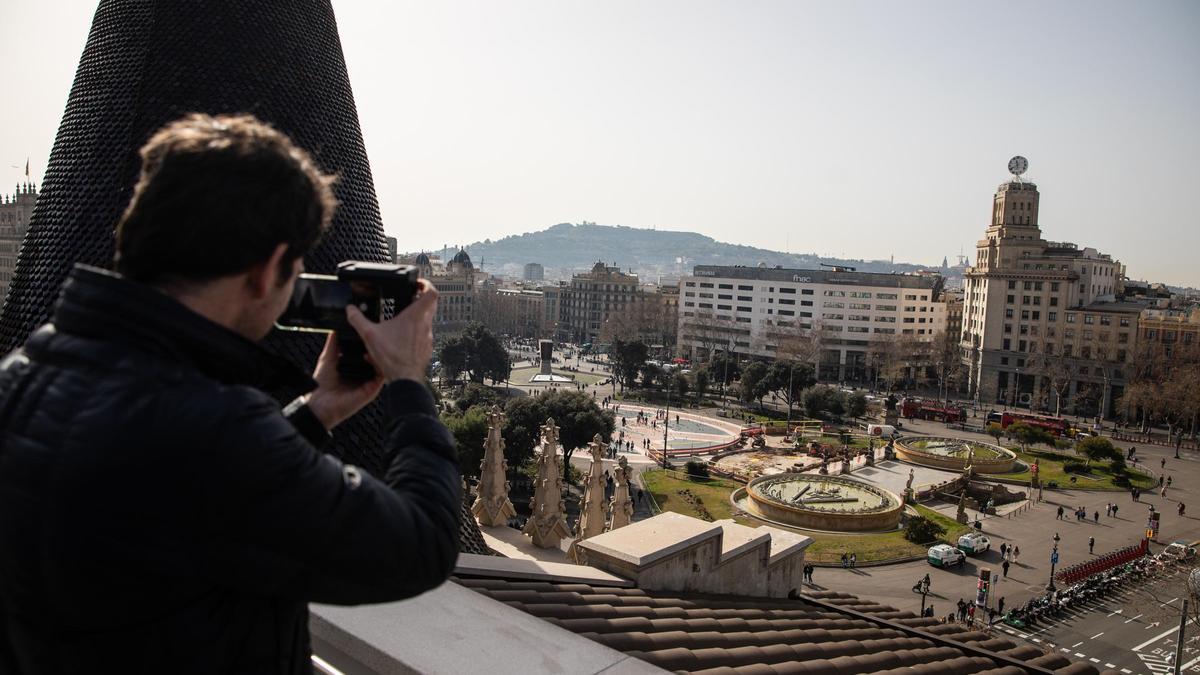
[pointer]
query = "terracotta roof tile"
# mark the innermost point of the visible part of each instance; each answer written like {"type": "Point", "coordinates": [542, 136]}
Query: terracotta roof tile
{"type": "Point", "coordinates": [831, 634]}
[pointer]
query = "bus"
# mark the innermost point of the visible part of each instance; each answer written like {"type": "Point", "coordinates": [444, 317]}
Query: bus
{"type": "Point", "coordinates": [1055, 425]}
{"type": "Point", "coordinates": [931, 410]}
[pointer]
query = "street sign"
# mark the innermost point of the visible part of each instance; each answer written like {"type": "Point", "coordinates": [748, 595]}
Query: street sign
{"type": "Point", "coordinates": [1054, 558]}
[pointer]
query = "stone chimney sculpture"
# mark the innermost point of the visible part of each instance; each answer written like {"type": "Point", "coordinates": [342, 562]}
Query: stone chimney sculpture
{"type": "Point", "coordinates": [620, 509]}
{"type": "Point", "coordinates": [149, 62]}
{"type": "Point", "coordinates": [592, 516]}
{"type": "Point", "coordinates": [492, 506]}
{"type": "Point", "coordinates": [547, 525]}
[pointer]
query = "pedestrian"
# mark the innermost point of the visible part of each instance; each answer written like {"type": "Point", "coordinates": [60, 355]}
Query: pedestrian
{"type": "Point", "coordinates": [1163, 464]}
{"type": "Point", "coordinates": [1003, 549]}
{"type": "Point", "coordinates": [853, 559]}
{"type": "Point", "coordinates": [1000, 606]}
{"type": "Point", "coordinates": [962, 610]}
{"type": "Point", "coordinates": [1181, 508]}
{"type": "Point", "coordinates": [641, 495]}
{"type": "Point", "coordinates": [1163, 493]}
{"type": "Point", "coordinates": [929, 611]}
{"type": "Point", "coordinates": [1107, 509]}
{"type": "Point", "coordinates": [845, 560]}
{"type": "Point", "coordinates": [1091, 544]}
{"type": "Point", "coordinates": [1060, 513]}
{"type": "Point", "coordinates": [971, 614]}
{"type": "Point", "coordinates": [1016, 553]}
{"type": "Point", "coordinates": [1003, 566]}
{"type": "Point", "coordinates": [1096, 517]}
{"type": "Point", "coordinates": [1161, 478]}
{"type": "Point", "coordinates": [1134, 492]}
{"type": "Point", "coordinates": [1168, 481]}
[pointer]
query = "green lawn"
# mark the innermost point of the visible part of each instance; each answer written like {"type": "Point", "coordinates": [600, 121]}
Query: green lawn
{"type": "Point", "coordinates": [826, 548]}
{"type": "Point", "coordinates": [1050, 468]}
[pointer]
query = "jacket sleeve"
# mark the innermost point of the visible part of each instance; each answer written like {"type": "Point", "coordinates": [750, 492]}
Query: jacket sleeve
{"type": "Point", "coordinates": [288, 521]}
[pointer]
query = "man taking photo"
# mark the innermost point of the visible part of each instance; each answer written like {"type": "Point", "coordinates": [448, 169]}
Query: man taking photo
{"type": "Point", "coordinates": [158, 512]}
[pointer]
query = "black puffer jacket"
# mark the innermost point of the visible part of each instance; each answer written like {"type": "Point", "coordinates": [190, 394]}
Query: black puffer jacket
{"type": "Point", "coordinates": [159, 514]}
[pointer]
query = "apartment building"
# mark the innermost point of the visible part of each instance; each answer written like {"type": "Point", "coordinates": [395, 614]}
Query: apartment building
{"type": "Point", "coordinates": [755, 310]}
{"type": "Point", "coordinates": [15, 211]}
{"type": "Point", "coordinates": [588, 301]}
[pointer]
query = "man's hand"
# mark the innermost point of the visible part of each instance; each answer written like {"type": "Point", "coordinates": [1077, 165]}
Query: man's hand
{"type": "Point", "coordinates": [401, 347]}
{"type": "Point", "coordinates": [335, 400]}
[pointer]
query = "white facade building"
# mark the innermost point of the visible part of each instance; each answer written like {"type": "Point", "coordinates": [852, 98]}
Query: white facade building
{"type": "Point", "coordinates": [753, 310]}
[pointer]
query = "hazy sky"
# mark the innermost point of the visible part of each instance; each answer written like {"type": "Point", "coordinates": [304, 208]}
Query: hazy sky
{"type": "Point", "coordinates": [858, 129]}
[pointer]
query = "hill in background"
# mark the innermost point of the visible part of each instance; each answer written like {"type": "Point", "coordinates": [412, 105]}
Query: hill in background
{"type": "Point", "coordinates": [569, 248]}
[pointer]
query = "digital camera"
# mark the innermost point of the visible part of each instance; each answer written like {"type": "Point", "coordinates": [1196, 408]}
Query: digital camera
{"type": "Point", "coordinates": [319, 304]}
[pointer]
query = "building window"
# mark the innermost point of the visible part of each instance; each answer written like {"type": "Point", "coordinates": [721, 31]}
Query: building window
{"type": "Point", "coordinates": [705, 285]}
{"type": "Point", "coordinates": [787, 301]}
{"type": "Point", "coordinates": [745, 298]}
{"type": "Point", "coordinates": [1089, 319]}
{"type": "Point", "coordinates": [806, 291]}
{"type": "Point", "coordinates": [725, 307]}
{"type": "Point", "coordinates": [724, 296]}
{"type": "Point", "coordinates": [725, 287]}
{"type": "Point", "coordinates": [786, 312]}
{"type": "Point", "coordinates": [1054, 302]}
{"type": "Point", "coordinates": [1124, 322]}
{"type": "Point", "coordinates": [789, 291]}
{"type": "Point", "coordinates": [745, 288]}
{"type": "Point", "coordinates": [885, 296]}
{"type": "Point", "coordinates": [1070, 318]}
{"type": "Point", "coordinates": [1012, 285]}
{"type": "Point", "coordinates": [1009, 299]}
{"type": "Point", "coordinates": [691, 283]}
{"type": "Point", "coordinates": [1007, 344]}
{"type": "Point", "coordinates": [744, 309]}
{"type": "Point", "coordinates": [1008, 328]}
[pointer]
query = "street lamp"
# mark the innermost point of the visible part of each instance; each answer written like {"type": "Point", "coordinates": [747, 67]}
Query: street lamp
{"type": "Point", "coordinates": [666, 422]}
{"type": "Point", "coordinates": [1053, 561]}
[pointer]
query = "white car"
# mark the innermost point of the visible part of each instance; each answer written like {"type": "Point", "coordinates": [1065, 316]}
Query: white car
{"type": "Point", "coordinates": [945, 555]}
{"type": "Point", "coordinates": [974, 542]}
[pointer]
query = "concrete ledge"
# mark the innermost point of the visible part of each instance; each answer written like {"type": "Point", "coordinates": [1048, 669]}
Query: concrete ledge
{"type": "Point", "coordinates": [496, 567]}
{"type": "Point", "coordinates": [454, 630]}
{"type": "Point", "coordinates": [647, 541]}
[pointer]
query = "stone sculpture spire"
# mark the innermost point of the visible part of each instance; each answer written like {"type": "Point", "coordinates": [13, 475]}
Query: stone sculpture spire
{"type": "Point", "coordinates": [546, 525]}
{"type": "Point", "coordinates": [591, 516]}
{"type": "Point", "coordinates": [492, 506]}
{"type": "Point", "coordinates": [620, 509]}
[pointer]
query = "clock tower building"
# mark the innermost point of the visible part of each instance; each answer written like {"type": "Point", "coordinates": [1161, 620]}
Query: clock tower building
{"type": "Point", "coordinates": [1029, 308]}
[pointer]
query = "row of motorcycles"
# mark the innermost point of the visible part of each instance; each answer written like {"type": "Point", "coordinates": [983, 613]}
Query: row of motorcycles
{"type": "Point", "coordinates": [1055, 603]}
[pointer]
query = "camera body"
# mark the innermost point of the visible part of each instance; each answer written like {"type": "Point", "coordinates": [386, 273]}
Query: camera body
{"type": "Point", "coordinates": [319, 301]}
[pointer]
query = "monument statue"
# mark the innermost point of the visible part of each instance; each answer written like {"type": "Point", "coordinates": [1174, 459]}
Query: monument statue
{"type": "Point", "coordinates": [546, 356]}
{"type": "Point", "coordinates": [620, 508]}
{"type": "Point", "coordinates": [591, 516]}
{"type": "Point", "coordinates": [492, 506]}
{"type": "Point", "coordinates": [546, 525]}
{"type": "Point", "coordinates": [846, 459]}
{"type": "Point", "coordinates": [961, 516]}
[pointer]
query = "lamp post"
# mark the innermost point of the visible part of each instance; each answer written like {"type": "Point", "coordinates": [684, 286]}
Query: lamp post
{"type": "Point", "coordinates": [1053, 562]}
{"type": "Point", "coordinates": [666, 422]}
{"type": "Point", "coordinates": [724, 379]}
{"type": "Point", "coordinates": [787, 429]}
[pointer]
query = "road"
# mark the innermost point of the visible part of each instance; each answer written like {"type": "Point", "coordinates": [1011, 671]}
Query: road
{"type": "Point", "coordinates": [1134, 631]}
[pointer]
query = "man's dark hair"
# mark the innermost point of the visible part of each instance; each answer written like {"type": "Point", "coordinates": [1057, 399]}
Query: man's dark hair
{"type": "Point", "coordinates": [217, 195]}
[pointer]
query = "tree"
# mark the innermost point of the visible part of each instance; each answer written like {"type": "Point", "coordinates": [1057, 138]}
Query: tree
{"type": "Point", "coordinates": [1098, 448]}
{"type": "Point", "coordinates": [576, 414]}
{"type": "Point", "coordinates": [1027, 434]}
{"type": "Point", "coordinates": [700, 382]}
{"type": "Point", "coordinates": [995, 431]}
{"type": "Point", "coordinates": [946, 357]}
{"type": "Point", "coordinates": [724, 366]}
{"type": "Point", "coordinates": [789, 379]}
{"type": "Point", "coordinates": [856, 404]}
{"type": "Point", "coordinates": [754, 382]}
{"type": "Point", "coordinates": [475, 394]}
{"type": "Point", "coordinates": [651, 373]}
{"type": "Point", "coordinates": [820, 399]}
{"type": "Point", "coordinates": [469, 428]}
{"type": "Point", "coordinates": [680, 385]}
{"type": "Point", "coordinates": [627, 357]}
{"type": "Point", "coordinates": [922, 530]}
{"type": "Point", "coordinates": [476, 352]}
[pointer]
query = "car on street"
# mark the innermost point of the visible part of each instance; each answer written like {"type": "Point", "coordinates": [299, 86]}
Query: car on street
{"type": "Point", "coordinates": [974, 542]}
{"type": "Point", "coordinates": [945, 555]}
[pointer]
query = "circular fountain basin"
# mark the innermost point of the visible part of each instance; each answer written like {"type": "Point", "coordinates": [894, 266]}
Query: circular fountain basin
{"type": "Point", "coordinates": [953, 453]}
{"type": "Point", "coordinates": [815, 502]}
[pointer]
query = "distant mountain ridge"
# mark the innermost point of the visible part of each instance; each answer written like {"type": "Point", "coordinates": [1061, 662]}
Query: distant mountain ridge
{"type": "Point", "coordinates": [566, 247]}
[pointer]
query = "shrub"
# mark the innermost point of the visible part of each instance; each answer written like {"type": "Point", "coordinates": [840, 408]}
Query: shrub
{"type": "Point", "coordinates": [1075, 467]}
{"type": "Point", "coordinates": [697, 469]}
{"type": "Point", "coordinates": [922, 530]}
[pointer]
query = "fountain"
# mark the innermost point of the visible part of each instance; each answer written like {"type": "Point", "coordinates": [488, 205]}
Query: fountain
{"type": "Point", "coordinates": [819, 502]}
{"type": "Point", "coordinates": [955, 454]}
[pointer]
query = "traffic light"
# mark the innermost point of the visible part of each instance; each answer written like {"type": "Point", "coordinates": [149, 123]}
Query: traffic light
{"type": "Point", "coordinates": [983, 587]}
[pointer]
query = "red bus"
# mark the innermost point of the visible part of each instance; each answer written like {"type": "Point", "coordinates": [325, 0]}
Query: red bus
{"type": "Point", "coordinates": [930, 410]}
{"type": "Point", "coordinates": [1055, 425]}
